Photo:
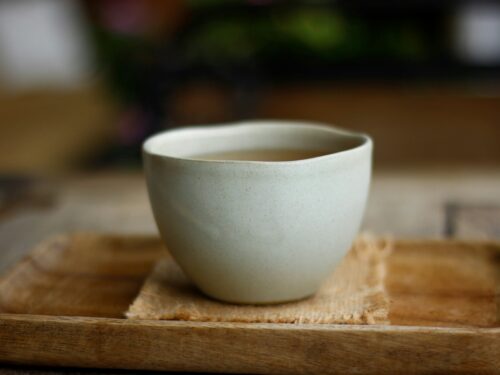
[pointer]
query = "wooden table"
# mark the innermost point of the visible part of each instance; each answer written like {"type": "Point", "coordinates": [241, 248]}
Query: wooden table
{"type": "Point", "coordinates": [405, 203]}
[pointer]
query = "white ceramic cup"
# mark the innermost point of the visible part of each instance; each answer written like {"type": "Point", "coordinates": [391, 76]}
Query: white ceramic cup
{"type": "Point", "coordinates": [258, 231]}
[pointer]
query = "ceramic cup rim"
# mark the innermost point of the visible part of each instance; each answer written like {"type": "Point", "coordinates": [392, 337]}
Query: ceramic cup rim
{"type": "Point", "coordinates": [151, 144]}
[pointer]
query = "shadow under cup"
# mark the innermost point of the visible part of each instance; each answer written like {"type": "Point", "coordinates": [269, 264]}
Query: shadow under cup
{"type": "Point", "coordinates": [258, 212]}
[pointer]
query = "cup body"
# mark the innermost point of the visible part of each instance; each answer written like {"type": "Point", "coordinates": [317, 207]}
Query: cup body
{"type": "Point", "coordinates": [255, 231]}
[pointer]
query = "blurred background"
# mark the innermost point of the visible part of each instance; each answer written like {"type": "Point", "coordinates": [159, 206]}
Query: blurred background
{"type": "Point", "coordinates": [83, 82]}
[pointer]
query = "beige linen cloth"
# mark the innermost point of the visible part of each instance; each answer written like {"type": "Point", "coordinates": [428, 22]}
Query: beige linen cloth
{"type": "Point", "coordinates": [353, 294]}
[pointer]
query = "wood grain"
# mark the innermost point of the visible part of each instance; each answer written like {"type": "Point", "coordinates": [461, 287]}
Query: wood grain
{"type": "Point", "coordinates": [246, 348]}
{"type": "Point", "coordinates": [444, 283]}
{"type": "Point", "coordinates": [430, 283]}
{"type": "Point", "coordinates": [80, 275]}
{"type": "Point", "coordinates": [444, 316]}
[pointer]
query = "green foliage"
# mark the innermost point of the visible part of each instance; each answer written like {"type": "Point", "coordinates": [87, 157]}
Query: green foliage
{"type": "Point", "coordinates": [316, 29]}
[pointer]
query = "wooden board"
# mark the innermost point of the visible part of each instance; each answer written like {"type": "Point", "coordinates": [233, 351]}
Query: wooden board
{"type": "Point", "coordinates": [63, 306]}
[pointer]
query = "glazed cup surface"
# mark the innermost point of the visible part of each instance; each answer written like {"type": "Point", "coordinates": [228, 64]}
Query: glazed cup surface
{"type": "Point", "coordinates": [258, 231]}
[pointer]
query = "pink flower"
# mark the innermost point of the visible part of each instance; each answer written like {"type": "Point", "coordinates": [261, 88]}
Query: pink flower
{"type": "Point", "coordinates": [124, 16]}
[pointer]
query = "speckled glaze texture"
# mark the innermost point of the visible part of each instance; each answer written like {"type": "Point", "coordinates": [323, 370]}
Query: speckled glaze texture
{"type": "Point", "coordinates": [258, 232]}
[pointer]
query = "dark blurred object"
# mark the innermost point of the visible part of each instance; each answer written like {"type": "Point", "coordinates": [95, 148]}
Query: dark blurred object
{"type": "Point", "coordinates": [129, 35]}
{"type": "Point", "coordinates": [183, 62]}
{"type": "Point", "coordinates": [472, 220]}
{"type": "Point", "coordinates": [18, 192]}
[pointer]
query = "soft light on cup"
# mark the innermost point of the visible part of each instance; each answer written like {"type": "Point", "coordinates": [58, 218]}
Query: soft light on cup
{"type": "Point", "coordinates": [258, 231]}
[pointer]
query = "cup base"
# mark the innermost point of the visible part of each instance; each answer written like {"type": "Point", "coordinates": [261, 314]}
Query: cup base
{"type": "Point", "coordinates": [259, 302]}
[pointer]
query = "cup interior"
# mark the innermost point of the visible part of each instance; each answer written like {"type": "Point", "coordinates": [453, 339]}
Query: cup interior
{"type": "Point", "coordinates": [188, 143]}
